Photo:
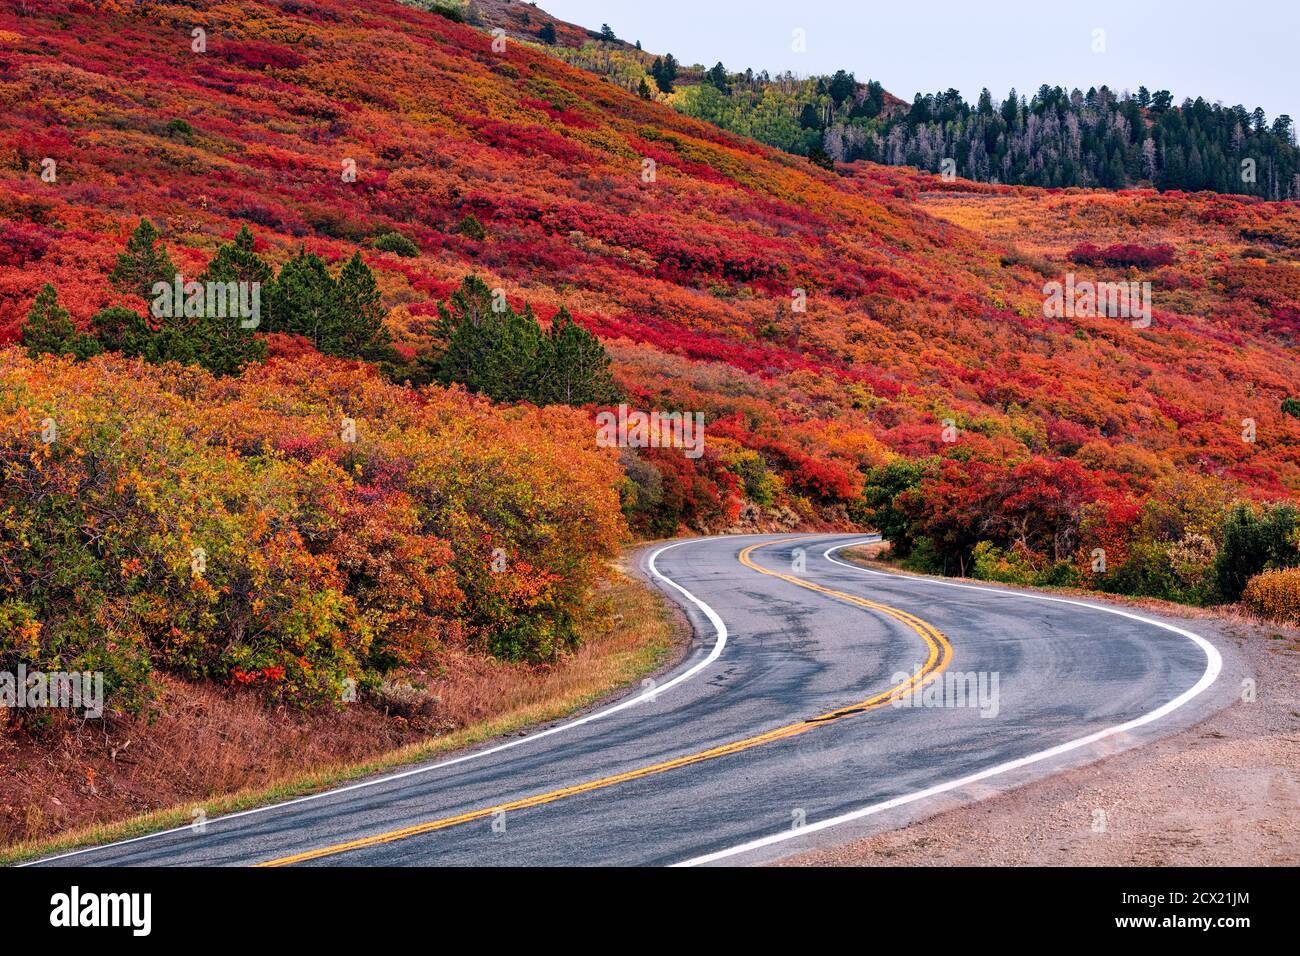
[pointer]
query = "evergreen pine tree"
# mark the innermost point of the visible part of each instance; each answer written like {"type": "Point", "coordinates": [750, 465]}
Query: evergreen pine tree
{"type": "Point", "coordinates": [303, 300]}
{"type": "Point", "coordinates": [717, 77]}
{"type": "Point", "coordinates": [224, 344]}
{"type": "Point", "coordinates": [669, 74]}
{"type": "Point", "coordinates": [143, 263]}
{"type": "Point", "coordinates": [361, 312]}
{"type": "Point", "coordinates": [460, 330]}
{"type": "Point", "coordinates": [505, 355]}
{"type": "Point", "coordinates": [574, 367]}
{"type": "Point", "coordinates": [49, 328]}
{"type": "Point", "coordinates": [490, 351]}
{"type": "Point", "coordinates": [516, 343]}
{"type": "Point", "coordinates": [120, 329]}
{"type": "Point", "coordinates": [236, 261]}
{"type": "Point", "coordinates": [468, 326]}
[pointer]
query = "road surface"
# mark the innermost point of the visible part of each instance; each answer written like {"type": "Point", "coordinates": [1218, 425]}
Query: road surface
{"type": "Point", "coordinates": [819, 701]}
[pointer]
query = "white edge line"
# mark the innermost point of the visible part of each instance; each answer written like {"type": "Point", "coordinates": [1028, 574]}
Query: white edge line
{"type": "Point", "coordinates": [1214, 663]}
{"type": "Point", "coordinates": [649, 695]}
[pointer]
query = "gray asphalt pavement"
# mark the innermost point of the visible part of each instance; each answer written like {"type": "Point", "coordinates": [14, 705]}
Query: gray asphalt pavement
{"type": "Point", "coordinates": [1063, 671]}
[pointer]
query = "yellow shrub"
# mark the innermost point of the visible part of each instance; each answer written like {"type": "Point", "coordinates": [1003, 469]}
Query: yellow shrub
{"type": "Point", "coordinates": [1275, 595]}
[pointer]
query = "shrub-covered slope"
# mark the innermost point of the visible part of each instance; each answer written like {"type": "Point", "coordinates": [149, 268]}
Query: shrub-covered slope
{"type": "Point", "coordinates": [825, 323]}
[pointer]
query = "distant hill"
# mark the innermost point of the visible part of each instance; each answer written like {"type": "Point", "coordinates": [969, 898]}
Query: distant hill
{"type": "Point", "coordinates": [1096, 138]}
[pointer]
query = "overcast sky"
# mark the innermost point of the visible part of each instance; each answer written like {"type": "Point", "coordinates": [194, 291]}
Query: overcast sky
{"type": "Point", "coordinates": [1236, 52]}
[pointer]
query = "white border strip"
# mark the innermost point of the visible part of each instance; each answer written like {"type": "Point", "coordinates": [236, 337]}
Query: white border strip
{"type": "Point", "coordinates": [714, 652]}
{"type": "Point", "coordinates": [1214, 663]}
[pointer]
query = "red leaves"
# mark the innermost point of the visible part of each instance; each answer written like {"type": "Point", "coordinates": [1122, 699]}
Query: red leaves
{"type": "Point", "coordinates": [530, 140]}
{"type": "Point", "coordinates": [1123, 254]}
{"type": "Point", "coordinates": [907, 312]}
{"type": "Point", "coordinates": [559, 114]}
{"type": "Point", "coordinates": [258, 55]}
{"type": "Point", "coordinates": [22, 244]}
{"type": "Point", "coordinates": [1035, 504]}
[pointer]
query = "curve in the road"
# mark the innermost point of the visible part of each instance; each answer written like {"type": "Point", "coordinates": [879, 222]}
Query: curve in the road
{"type": "Point", "coordinates": [799, 644]}
{"type": "Point", "coordinates": [939, 655]}
{"type": "Point", "coordinates": [715, 651]}
{"type": "Point", "coordinates": [1214, 663]}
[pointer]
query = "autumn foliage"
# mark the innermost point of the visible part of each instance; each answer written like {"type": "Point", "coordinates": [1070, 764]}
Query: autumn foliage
{"type": "Point", "coordinates": [830, 325]}
{"type": "Point", "coordinates": [1275, 595]}
{"type": "Point", "coordinates": [297, 527]}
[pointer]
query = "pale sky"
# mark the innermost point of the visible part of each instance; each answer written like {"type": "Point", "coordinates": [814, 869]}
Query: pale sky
{"type": "Point", "coordinates": [1236, 52]}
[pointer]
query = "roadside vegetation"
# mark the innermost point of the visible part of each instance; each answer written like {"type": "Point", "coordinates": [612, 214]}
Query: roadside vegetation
{"type": "Point", "coordinates": [219, 751]}
{"type": "Point", "coordinates": [1188, 541]}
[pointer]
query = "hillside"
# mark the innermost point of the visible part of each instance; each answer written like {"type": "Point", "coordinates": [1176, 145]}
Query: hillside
{"type": "Point", "coordinates": [1054, 137]}
{"type": "Point", "coordinates": [924, 331]}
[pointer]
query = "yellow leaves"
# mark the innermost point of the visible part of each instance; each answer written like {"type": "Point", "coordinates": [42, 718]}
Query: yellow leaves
{"type": "Point", "coordinates": [308, 541]}
{"type": "Point", "coordinates": [1275, 595]}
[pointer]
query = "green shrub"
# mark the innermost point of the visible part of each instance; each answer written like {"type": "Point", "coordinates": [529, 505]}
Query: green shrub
{"type": "Point", "coordinates": [880, 508]}
{"type": "Point", "coordinates": [761, 486]}
{"type": "Point", "coordinates": [1255, 538]}
{"type": "Point", "coordinates": [1062, 574]}
{"type": "Point", "coordinates": [1192, 562]}
{"type": "Point", "coordinates": [923, 557]}
{"type": "Point", "coordinates": [454, 10]}
{"type": "Point", "coordinates": [397, 243]}
{"type": "Point", "coordinates": [471, 228]}
{"type": "Point", "coordinates": [995, 564]}
{"type": "Point", "coordinates": [49, 329]}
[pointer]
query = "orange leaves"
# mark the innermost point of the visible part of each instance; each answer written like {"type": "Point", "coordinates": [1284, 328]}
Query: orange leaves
{"type": "Point", "coordinates": [1275, 595]}
{"type": "Point", "coordinates": [230, 528]}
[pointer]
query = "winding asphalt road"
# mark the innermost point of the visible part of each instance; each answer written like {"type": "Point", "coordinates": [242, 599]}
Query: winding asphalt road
{"type": "Point", "coordinates": [783, 728]}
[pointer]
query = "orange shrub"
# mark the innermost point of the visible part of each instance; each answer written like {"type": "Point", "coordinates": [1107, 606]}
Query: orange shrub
{"type": "Point", "coordinates": [298, 527]}
{"type": "Point", "coordinates": [1275, 595]}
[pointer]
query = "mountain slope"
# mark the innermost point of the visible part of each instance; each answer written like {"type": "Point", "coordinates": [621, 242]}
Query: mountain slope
{"type": "Point", "coordinates": [913, 324]}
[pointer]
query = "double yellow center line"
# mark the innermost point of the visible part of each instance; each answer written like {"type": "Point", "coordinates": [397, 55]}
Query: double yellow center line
{"type": "Point", "coordinates": [940, 655]}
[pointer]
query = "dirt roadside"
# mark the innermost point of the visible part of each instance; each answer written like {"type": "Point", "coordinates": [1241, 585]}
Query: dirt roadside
{"type": "Point", "coordinates": [1223, 792]}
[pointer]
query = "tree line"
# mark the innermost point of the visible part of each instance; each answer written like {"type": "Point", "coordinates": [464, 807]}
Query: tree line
{"type": "Point", "coordinates": [1054, 138]}
{"type": "Point", "coordinates": [478, 339]}
{"type": "Point", "coordinates": [1089, 139]}
{"type": "Point", "coordinates": [185, 322]}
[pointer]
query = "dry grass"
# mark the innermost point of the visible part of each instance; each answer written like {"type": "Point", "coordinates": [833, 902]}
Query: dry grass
{"type": "Point", "coordinates": [73, 785]}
